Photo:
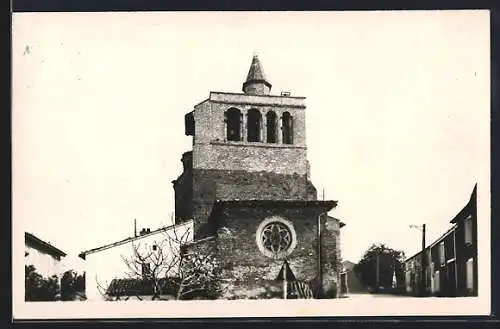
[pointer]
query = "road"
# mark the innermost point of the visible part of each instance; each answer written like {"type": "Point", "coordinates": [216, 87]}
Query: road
{"type": "Point", "coordinates": [377, 296]}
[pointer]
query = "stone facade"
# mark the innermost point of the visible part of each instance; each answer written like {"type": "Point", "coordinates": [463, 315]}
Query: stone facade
{"type": "Point", "coordinates": [248, 166]}
{"type": "Point", "coordinates": [245, 267]}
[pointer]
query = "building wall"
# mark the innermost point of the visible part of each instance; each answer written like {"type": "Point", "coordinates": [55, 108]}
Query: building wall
{"type": "Point", "coordinates": [209, 115]}
{"type": "Point", "coordinates": [211, 150]}
{"type": "Point", "coordinates": [45, 264]}
{"type": "Point", "coordinates": [446, 271]}
{"type": "Point", "coordinates": [211, 185]}
{"type": "Point", "coordinates": [221, 169]}
{"type": "Point", "coordinates": [103, 266]}
{"type": "Point", "coordinates": [330, 254]}
{"type": "Point", "coordinates": [248, 273]}
{"type": "Point", "coordinates": [281, 159]}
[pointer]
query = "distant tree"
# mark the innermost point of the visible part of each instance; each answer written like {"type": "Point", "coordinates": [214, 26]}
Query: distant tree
{"type": "Point", "coordinates": [390, 261]}
{"type": "Point", "coordinates": [38, 288]}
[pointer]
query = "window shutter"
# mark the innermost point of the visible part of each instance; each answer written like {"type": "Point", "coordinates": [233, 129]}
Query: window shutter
{"type": "Point", "coordinates": [468, 231]}
{"type": "Point", "coordinates": [470, 274]}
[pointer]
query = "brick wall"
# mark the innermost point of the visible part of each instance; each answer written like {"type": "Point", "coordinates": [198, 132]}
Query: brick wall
{"type": "Point", "coordinates": [280, 159]}
{"type": "Point", "coordinates": [212, 151]}
{"type": "Point", "coordinates": [210, 185]}
{"type": "Point", "coordinates": [246, 272]}
{"type": "Point", "coordinates": [330, 255]}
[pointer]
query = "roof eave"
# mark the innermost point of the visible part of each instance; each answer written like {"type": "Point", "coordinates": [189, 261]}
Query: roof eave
{"type": "Point", "coordinates": [56, 251]}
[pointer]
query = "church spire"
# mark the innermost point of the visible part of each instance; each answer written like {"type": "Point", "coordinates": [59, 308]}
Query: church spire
{"type": "Point", "coordinates": [256, 83]}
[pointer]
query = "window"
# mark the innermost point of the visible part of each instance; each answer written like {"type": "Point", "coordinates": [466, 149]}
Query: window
{"type": "Point", "coordinates": [271, 127]}
{"type": "Point", "coordinates": [287, 129]}
{"type": "Point", "coordinates": [276, 237]}
{"type": "Point", "coordinates": [470, 274]}
{"type": "Point", "coordinates": [468, 230]}
{"type": "Point", "coordinates": [233, 124]}
{"type": "Point", "coordinates": [437, 282]}
{"type": "Point", "coordinates": [441, 254]}
{"type": "Point", "coordinates": [449, 248]}
{"type": "Point", "coordinates": [254, 123]}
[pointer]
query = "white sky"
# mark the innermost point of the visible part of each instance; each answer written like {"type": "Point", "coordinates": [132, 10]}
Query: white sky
{"type": "Point", "coordinates": [397, 117]}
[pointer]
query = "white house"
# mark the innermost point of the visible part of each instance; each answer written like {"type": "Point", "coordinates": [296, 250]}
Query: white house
{"type": "Point", "coordinates": [45, 257]}
{"type": "Point", "coordinates": [105, 263]}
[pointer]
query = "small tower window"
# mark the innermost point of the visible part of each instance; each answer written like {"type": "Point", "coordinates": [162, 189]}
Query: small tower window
{"type": "Point", "coordinates": [233, 124]}
{"type": "Point", "coordinates": [287, 129]}
{"type": "Point", "coordinates": [254, 123]}
{"type": "Point", "coordinates": [271, 127]}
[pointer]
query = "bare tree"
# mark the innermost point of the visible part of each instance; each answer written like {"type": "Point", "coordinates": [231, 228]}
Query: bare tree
{"type": "Point", "coordinates": [175, 262]}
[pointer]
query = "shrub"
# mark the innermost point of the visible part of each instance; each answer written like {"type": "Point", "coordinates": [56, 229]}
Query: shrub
{"type": "Point", "coordinates": [38, 288]}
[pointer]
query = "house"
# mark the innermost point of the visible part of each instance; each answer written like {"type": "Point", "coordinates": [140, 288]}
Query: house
{"type": "Point", "coordinates": [113, 264]}
{"type": "Point", "coordinates": [246, 184]}
{"type": "Point", "coordinates": [353, 283]}
{"type": "Point", "coordinates": [45, 257]}
{"type": "Point", "coordinates": [451, 260]}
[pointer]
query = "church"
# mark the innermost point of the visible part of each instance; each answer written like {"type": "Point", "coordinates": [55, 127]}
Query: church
{"type": "Point", "coordinates": [246, 186]}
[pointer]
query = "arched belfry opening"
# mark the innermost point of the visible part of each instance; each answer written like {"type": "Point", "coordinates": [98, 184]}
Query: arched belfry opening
{"type": "Point", "coordinates": [271, 125]}
{"type": "Point", "coordinates": [254, 125]}
{"type": "Point", "coordinates": [233, 124]}
{"type": "Point", "coordinates": [287, 128]}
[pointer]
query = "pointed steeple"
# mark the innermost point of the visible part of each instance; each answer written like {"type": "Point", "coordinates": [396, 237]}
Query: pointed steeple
{"type": "Point", "coordinates": [256, 83]}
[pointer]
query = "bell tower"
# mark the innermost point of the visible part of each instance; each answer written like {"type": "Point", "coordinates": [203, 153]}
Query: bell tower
{"type": "Point", "coordinates": [249, 145]}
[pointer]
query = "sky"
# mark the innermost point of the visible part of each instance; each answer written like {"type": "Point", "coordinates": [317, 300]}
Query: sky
{"type": "Point", "coordinates": [397, 114]}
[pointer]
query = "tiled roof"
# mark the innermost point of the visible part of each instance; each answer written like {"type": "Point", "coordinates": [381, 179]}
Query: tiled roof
{"type": "Point", "coordinates": [133, 287]}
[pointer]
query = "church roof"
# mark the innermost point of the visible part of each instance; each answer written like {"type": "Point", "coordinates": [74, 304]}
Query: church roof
{"type": "Point", "coordinates": [329, 204]}
{"type": "Point", "coordinates": [256, 73]}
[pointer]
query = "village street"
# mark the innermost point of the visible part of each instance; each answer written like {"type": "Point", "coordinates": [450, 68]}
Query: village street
{"type": "Point", "coordinates": [368, 296]}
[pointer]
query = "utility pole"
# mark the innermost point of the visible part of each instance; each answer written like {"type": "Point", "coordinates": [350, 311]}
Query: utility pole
{"type": "Point", "coordinates": [378, 270]}
{"type": "Point", "coordinates": [423, 262]}
{"type": "Point", "coordinates": [424, 265]}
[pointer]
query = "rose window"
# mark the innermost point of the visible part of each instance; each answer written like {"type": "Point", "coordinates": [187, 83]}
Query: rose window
{"type": "Point", "coordinates": [276, 237]}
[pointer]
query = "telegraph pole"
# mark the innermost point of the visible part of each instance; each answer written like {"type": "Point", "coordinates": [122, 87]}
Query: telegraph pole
{"type": "Point", "coordinates": [378, 271]}
{"type": "Point", "coordinates": [424, 261]}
